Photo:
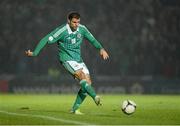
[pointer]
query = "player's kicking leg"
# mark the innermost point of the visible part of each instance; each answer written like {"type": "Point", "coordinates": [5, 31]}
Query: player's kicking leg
{"type": "Point", "coordinates": [86, 86]}
{"type": "Point", "coordinates": [85, 89]}
{"type": "Point", "coordinates": [80, 71]}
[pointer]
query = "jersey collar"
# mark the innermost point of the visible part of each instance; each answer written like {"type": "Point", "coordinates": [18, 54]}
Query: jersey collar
{"type": "Point", "coordinates": [70, 31]}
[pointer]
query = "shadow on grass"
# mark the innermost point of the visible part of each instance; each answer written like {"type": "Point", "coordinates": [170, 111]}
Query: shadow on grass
{"type": "Point", "coordinates": [28, 109]}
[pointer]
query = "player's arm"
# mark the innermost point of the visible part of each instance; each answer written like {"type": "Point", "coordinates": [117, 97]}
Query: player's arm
{"type": "Point", "coordinates": [29, 53]}
{"type": "Point", "coordinates": [47, 39]}
{"type": "Point", "coordinates": [96, 44]}
{"type": "Point", "coordinates": [104, 54]}
{"type": "Point", "coordinates": [38, 48]}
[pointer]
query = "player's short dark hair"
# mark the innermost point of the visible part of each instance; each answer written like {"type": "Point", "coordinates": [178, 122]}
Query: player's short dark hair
{"type": "Point", "coordinates": [73, 14]}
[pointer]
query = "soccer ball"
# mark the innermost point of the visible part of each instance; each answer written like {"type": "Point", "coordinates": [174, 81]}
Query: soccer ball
{"type": "Point", "coordinates": [128, 107]}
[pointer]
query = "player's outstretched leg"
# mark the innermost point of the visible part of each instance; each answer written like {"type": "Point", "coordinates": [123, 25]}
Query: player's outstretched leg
{"type": "Point", "coordinates": [91, 92]}
{"type": "Point", "coordinates": [79, 99]}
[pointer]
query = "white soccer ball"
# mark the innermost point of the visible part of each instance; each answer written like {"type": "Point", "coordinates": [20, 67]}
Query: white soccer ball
{"type": "Point", "coordinates": [128, 107]}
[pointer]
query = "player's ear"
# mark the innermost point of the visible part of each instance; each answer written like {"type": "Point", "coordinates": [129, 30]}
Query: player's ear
{"type": "Point", "coordinates": [68, 21]}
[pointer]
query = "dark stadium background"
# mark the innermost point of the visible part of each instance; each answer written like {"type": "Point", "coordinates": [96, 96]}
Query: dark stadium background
{"type": "Point", "coordinates": [141, 36]}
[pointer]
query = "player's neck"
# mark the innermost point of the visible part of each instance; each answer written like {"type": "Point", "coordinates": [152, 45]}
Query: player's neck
{"type": "Point", "coordinates": [72, 29]}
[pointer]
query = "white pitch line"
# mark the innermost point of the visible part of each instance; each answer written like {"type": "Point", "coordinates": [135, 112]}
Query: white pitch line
{"type": "Point", "coordinates": [44, 117]}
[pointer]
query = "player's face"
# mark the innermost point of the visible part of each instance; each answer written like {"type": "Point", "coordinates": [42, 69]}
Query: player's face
{"type": "Point", "coordinates": [74, 23]}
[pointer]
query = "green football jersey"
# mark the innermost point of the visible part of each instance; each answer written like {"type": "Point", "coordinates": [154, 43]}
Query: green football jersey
{"type": "Point", "coordinates": [69, 43]}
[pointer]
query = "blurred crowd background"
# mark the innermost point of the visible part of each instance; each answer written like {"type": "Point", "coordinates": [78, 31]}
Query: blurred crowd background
{"type": "Point", "coordinates": [141, 36]}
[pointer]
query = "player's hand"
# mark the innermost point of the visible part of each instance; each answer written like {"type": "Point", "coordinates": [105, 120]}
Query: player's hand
{"type": "Point", "coordinates": [29, 53]}
{"type": "Point", "coordinates": [104, 54]}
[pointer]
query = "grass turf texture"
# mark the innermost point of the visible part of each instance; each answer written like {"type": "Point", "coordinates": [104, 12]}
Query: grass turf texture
{"type": "Point", "coordinates": [54, 110]}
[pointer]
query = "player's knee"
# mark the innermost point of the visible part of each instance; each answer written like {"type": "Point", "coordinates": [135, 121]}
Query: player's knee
{"type": "Point", "coordinates": [80, 75]}
{"type": "Point", "coordinates": [88, 80]}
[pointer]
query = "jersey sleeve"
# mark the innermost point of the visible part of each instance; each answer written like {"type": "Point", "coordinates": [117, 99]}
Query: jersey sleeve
{"type": "Point", "coordinates": [40, 46]}
{"type": "Point", "coordinates": [92, 39]}
{"type": "Point", "coordinates": [48, 39]}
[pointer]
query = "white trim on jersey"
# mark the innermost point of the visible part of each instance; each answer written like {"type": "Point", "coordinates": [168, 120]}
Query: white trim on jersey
{"type": "Point", "coordinates": [61, 30]}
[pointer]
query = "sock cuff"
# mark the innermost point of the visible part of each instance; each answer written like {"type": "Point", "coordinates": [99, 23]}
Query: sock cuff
{"type": "Point", "coordinates": [83, 81]}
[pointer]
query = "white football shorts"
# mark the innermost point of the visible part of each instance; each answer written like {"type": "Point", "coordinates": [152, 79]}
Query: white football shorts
{"type": "Point", "coordinates": [73, 66]}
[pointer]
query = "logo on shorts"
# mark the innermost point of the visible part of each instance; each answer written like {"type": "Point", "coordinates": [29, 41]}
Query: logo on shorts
{"type": "Point", "coordinates": [76, 65]}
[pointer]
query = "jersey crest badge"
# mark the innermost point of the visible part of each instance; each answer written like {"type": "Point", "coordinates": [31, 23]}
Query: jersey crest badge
{"type": "Point", "coordinates": [79, 35]}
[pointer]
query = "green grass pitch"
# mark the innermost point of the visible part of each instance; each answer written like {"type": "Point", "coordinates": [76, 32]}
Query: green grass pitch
{"type": "Point", "coordinates": [54, 110]}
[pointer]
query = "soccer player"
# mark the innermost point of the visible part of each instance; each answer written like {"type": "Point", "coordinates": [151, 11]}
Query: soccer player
{"type": "Point", "coordinates": [69, 38]}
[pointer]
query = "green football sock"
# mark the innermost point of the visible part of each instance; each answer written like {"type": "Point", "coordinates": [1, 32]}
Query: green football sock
{"type": "Point", "coordinates": [79, 99]}
{"type": "Point", "coordinates": [88, 88]}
